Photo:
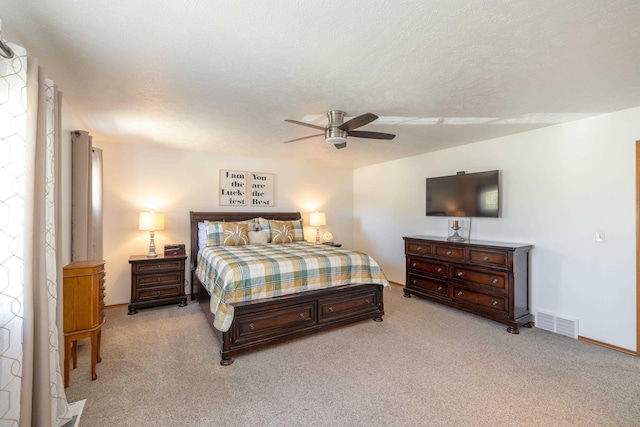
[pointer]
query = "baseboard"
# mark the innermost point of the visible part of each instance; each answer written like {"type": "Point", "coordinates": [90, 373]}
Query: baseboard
{"type": "Point", "coordinates": [124, 304]}
{"type": "Point", "coordinates": [397, 284]}
{"type": "Point", "coordinates": [609, 346]}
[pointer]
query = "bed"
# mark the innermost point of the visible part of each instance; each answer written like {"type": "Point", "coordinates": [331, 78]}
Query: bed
{"type": "Point", "coordinates": [248, 323]}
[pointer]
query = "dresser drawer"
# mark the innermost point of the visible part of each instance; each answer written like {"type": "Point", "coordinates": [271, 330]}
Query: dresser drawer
{"type": "Point", "coordinates": [495, 279]}
{"type": "Point", "coordinates": [264, 324]}
{"type": "Point", "coordinates": [425, 284]}
{"type": "Point", "coordinates": [156, 267]}
{"type": "Point", "coordinates": [449, 253]}
{"type": "Point", "coordinates": [418, 248]}
{"type": "Point", "coordinates": [489, 258]}
{"type": "Point", "coordinates": [160, 292]}
{"type": "Point", "coordinates": [486, 301]}
{"type": "Point", "coordinates": [347, 305]}
{"type": "Point", "coordinates": [143, 281]}
{"type": "Point", "coordinates": [430, 267]}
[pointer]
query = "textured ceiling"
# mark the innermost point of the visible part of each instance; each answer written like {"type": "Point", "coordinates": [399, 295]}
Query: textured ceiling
{"type": "Point", "coordinates": [222, 76]}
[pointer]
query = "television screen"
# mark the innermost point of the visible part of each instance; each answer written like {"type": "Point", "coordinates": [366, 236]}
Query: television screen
{"type": "Point", "coordinates": [468, 194]}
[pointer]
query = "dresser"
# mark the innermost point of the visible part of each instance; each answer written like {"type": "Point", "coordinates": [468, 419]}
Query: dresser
{"type": "Point", "coordinates": [156, 281]}
{"type": "Point", "coordinates": [83, 311]}
{"type": "Point", "coordinates": [489, 279]}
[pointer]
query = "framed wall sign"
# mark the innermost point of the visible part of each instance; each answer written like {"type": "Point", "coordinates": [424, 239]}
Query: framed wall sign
{"type": "Point", "coordinates": [262, 191]}
{"type": "Point", "coordinates": [233, 188]}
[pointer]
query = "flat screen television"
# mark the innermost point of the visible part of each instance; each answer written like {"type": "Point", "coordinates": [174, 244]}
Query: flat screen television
{"type": "Point", "coordinates": [464, 194]}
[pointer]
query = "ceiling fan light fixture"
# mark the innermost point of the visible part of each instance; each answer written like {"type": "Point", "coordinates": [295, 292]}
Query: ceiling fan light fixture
{"type": "Point", "coordinates": [335, 136]}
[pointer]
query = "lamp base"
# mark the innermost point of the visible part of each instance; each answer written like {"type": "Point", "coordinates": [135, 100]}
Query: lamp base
{"type": "Point", "coordinates": [152, 246]}
{"type": "Point", "coordinates": [318, 236]}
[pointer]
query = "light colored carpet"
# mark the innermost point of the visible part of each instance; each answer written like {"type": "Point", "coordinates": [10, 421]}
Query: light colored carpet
{"type": "Point", "coordinates": [424, 365]}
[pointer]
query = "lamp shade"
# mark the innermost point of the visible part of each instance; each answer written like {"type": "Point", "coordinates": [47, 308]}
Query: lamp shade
{"type": "Point", "coordinates": [317, 219]}
{"type": "Point", "coordinates": [151, 221]}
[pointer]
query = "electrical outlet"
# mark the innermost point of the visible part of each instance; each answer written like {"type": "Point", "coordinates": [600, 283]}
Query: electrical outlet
{"type": "Point", "coordinates": [599, 236]}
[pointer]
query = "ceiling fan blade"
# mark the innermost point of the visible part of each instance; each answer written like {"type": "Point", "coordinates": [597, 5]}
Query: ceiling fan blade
{"type": "Point", "coordinates": [357, 122]}
{"type": "Point", "coordinates": [305, 124]}
{"type": "Point", "coordinates": [372, 135]}
{"type": "Point", "coordinates": [339, 146]}
{"type": "Point", "coordinates": [304, 137]}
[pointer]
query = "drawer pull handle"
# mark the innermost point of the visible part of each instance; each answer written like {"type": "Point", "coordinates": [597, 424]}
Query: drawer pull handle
{"type": "Point", "coordinates": [415, 281]}
{"type": "Point", "coordinates": [495, 303]}
{"type": "Point", "coordinates": [495, 281]}
{"type": "Point", "coordinates": [486, 258]}
{"type": "Point", "coordinates": [440, 270]}
{"type": "Point", "coordinates": [439, 288]}
{"type": "Point", "coordinates": [460, 274]}
{"type": "Point", "coordinates": [302, 315]}
{"type": "Point", "coordinates": [158, 293]}
{"type": "Point", "coordinates": [331, 309]}
{"type": "Point", "coordinates": [367, 301]}
{"type": "Point", "coordinates": [252, 326]}
{"type": "Point", "coordinates": [459, 293]}
{"type": "Point", "coordinates": [448, 252]}
{"type": "Point", "coordinates": [414, 264]}
{"type": "Point", "coordinates": [419, 249]}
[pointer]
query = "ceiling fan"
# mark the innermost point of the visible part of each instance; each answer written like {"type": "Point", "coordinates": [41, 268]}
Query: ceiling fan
{"type": "Point", "coordinates": [337, 129]}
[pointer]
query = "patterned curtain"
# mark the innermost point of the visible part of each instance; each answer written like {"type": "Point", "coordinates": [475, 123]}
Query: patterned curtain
{"type": "Point", "coordinates": [31, 385]}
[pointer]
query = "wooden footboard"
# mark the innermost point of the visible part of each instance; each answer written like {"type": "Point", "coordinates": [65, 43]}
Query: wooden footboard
{"type": "Point", "coordinates": [279, 319]}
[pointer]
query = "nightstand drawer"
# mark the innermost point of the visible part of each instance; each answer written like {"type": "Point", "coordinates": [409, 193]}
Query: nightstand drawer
{"type": "Point", "coordinates": [158, 279]}
{"type": "Point", "coordinates": [156, 267]}
{"type": "Point", "coordinates": [154, 293]}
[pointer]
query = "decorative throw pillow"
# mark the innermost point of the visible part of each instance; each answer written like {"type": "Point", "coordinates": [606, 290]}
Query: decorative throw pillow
{"type": "Point", "coordinates": [296, 226]}
{"type": "Point", "coordinates": [235, 233]}
{"type": "Point", "coordinates": [258, 237]}
{"type": "Point", "coordinates": [298, 231]}
{"type": "Point", "coordinates": [264, 226]}
{"type": "Point", "coordinates": [214, 232]}
{"type": "Point", "coordinates": [252, 223]}
{"type": "Point", "coordinates": [281, 232]}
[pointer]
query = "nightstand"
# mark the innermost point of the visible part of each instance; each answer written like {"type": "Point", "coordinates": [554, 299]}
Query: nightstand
{"type": "Point", "coordinates": [156, 281]}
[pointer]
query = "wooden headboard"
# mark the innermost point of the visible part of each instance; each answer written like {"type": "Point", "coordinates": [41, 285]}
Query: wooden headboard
{"type": "Point", "coordinates": [197, 217]}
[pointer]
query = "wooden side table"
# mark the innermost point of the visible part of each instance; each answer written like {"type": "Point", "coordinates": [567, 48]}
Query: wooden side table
{"type": "Point", "coordinates": [156, 281]}
{"type": "Point", "coordinates": [83, 311]}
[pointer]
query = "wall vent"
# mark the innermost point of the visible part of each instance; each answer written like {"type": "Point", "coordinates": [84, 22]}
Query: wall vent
{"type": "Point", "coordinates": [566, 326]}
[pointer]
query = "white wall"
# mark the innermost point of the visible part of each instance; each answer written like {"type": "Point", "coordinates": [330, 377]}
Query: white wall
{"type": "Point", "coordinates": [559, 185]}
{"type": "Point", "coordinates": [175, 182]}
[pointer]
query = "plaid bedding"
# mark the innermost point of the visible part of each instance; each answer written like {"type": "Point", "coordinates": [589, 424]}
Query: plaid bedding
{"type": "Point", "coordinates": [245, 273]}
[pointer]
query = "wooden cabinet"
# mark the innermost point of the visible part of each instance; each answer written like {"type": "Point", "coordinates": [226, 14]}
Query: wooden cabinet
{"type": "Point", "coordinates": [83, 311]}
{"type": "Point", "coordinates": [490, 279]}
{"type": "Point", "coordinates": [156, 281]}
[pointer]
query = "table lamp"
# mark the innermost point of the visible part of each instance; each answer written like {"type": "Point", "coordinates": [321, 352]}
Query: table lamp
{"type": "Point", "coordinates": [151, 222]}
{"type": "Point", "coordinates": [317, 220]}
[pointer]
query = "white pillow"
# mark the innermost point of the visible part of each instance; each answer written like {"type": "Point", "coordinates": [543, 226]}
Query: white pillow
{"type": "Point", "coordinates": [203, 239]}
{"type": "Point", "coordinates": [258, 237]}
